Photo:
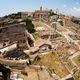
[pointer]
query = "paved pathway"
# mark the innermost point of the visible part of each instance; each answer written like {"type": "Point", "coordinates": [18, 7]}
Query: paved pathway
{"type": "Point", "coordinates": [73, 56]}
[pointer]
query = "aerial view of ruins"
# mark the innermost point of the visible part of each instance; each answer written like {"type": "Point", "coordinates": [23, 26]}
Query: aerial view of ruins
{"type": "Point", "coordinates": [40, 40]}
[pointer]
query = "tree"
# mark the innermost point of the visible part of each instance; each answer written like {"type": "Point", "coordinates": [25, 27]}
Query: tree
{"type": "Point", "coordinates": [29, 26]}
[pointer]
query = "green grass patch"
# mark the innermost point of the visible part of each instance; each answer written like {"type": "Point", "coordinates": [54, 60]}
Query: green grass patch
{"type": "Point", "coordinates": [53, 63]}
{"type": "Point", "coordinates": [77, 60]}
{"type": "Point", "coordinates": [70, 65]}
{"type": "Point", "coordinates": [35, 35]}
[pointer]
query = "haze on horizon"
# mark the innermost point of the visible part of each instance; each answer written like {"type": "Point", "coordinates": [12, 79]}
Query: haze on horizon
{"type": "Point", "coordinates": [68, 7]}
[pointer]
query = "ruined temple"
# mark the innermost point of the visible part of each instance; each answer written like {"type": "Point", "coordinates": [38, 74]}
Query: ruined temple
{"type": "Point", "coordinates": [13, 34]}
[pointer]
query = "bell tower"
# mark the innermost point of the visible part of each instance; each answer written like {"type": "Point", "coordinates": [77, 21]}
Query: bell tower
{"type": "Point", "coordinates": [41, 8]}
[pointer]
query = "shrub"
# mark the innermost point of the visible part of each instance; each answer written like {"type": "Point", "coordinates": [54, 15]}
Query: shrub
{"type": "Point", "coordinates": [29, 26]}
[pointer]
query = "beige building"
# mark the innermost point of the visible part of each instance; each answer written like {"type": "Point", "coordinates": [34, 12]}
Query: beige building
{"type": "Point", "coordinates": [38, 14]}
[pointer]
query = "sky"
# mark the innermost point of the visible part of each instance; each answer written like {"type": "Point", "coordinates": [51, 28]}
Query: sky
{"type": "Point", "coordinates": [68, 7]}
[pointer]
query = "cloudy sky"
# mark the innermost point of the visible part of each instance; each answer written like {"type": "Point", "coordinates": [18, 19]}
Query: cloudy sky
{"type": "Point", "coordinates": [69, 7]}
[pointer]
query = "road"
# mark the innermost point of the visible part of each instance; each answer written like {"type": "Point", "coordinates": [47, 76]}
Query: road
{"type": "Point", "coordinates": [73, 56]}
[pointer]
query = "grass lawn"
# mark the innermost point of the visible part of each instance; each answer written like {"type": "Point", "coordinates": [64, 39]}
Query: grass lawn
{"type": "Point", "coordinates": [52, 61]}
{"type": "Point", "coordinates": [77, 60]}
{"type": "Point", "coordinates": [70, 65]}
{"type": "Point", "coordinates": [35, 35]}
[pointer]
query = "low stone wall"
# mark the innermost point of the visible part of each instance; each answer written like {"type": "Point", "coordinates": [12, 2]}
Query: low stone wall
{"type": "Point", "coordinates": [8, 48]}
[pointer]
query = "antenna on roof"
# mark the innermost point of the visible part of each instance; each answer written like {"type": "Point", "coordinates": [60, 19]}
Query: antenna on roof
{"type": "Point", "coordinates": [41, 8]}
